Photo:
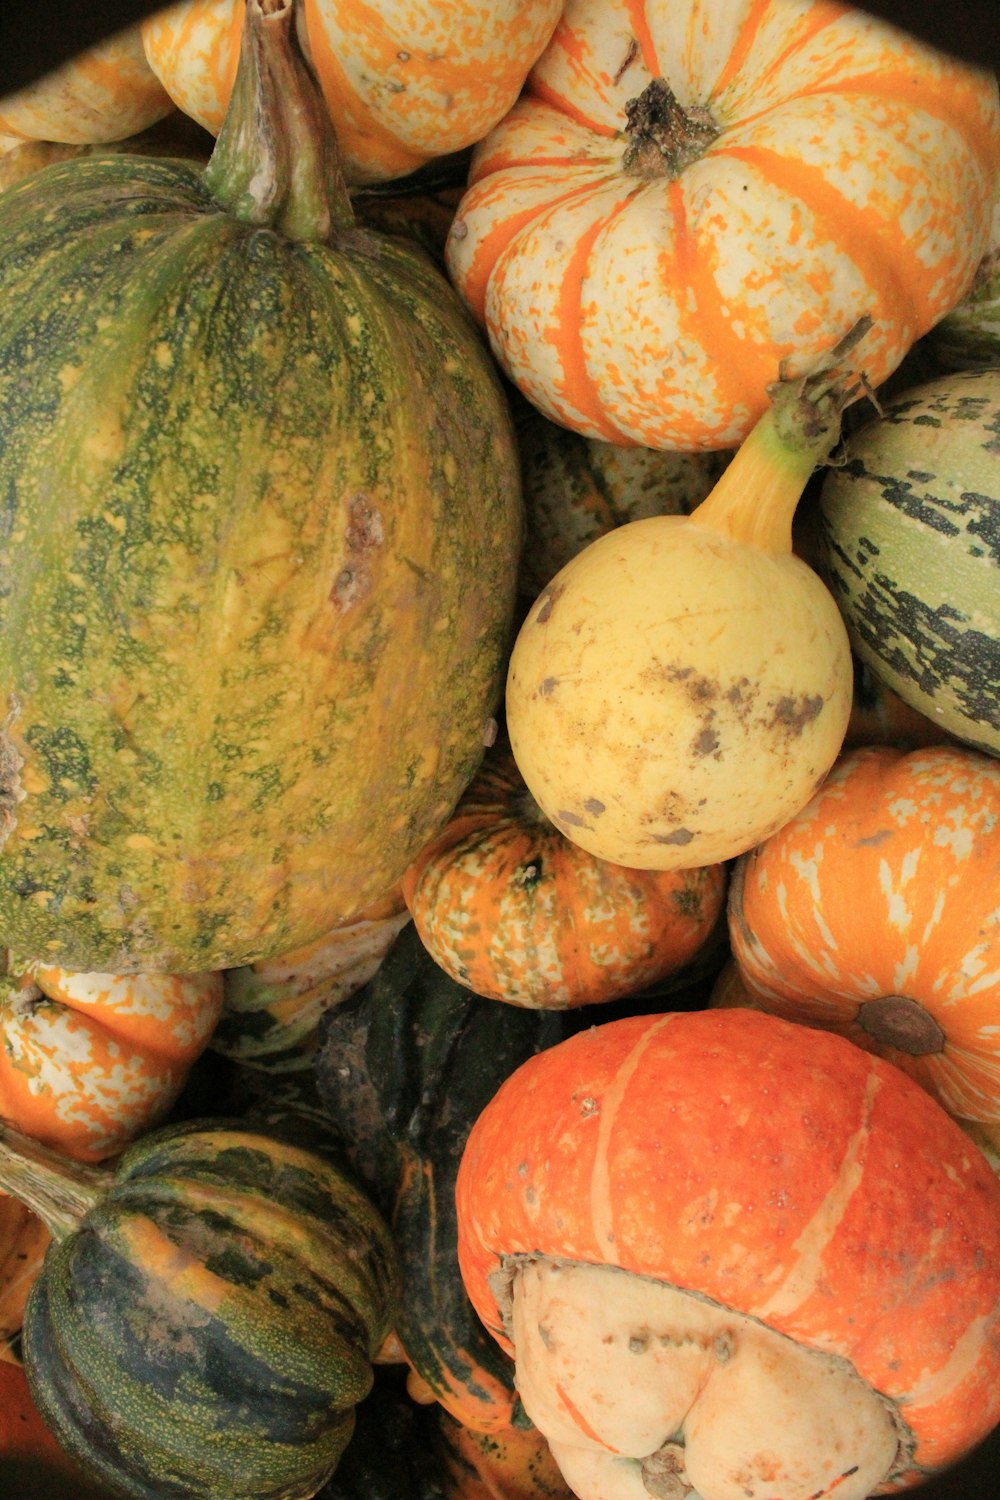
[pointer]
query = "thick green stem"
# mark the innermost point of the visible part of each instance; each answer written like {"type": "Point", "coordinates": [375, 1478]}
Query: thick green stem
{"type": "Point", "coordinates": [60, 1192]}
{"type": "Point", "coordinates": [276, 162]}
{"type": "Point", "coordinates": [755, 498]}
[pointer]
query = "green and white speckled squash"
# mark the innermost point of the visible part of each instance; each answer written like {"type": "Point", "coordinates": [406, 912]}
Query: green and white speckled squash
{"type": "Point", "coordinates": [261, 521]}
{"type": "Point", "coordinates": [910, 543]}
{"type": "Point", "coordinates": [205, 1320]}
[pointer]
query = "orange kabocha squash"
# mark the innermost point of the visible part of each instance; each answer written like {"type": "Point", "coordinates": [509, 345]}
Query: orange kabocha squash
{"type": "Point", "coordinates": [91, 1060]}
{"type": "Point", "coordinates": [404, 80]}
{"type": "Point", "coordinates": [687, 195]}
{"type": "Point", "coordinates": [24, 1239]}
{"type": "Point", "coordinates": [876, 912]}
{"type": "Point", "coordinates": [509, 907]}
{"type": "Point", "coordinates": [105, 94]}
{"type": "Point", "coordinates": [736, 1254]}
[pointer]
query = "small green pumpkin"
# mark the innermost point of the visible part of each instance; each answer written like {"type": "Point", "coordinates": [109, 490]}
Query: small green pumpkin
{"type": "Point", "coordinates": [205, 1320]}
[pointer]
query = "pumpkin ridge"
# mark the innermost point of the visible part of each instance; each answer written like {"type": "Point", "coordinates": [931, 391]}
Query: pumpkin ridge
{"type": "Point", "coordinates": [849, 228]}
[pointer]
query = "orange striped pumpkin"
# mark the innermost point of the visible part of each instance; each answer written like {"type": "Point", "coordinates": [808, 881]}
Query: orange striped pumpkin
{"type": "Point", "coordinates": [774, 1172]}
{"type": "Point", "coordinates": [509, 907]}
{"type": "Point", "coordinates": [687, 195]}
{"type": "Point", "coordinates": [89, 1061]}
{"type": "Point", "coordinates": [106, 93]}
{"type": "Point", "coordinates": [404, 80]}
{"type": "Point", "coordinates": [875, 912]}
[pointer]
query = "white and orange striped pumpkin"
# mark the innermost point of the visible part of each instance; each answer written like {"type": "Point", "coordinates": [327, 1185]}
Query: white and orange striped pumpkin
{"type": "Point", "coordinates": [405, 80]}
{"type": "Point", "coordinates": [875, 913]}
{"type": "Point", "coordinates": [687, 195]}
{"type": "Point", "coordinates": [104, 94]}
{"type": "Point", "coordinates": [737, 1255]}
{"type": "Point", "coordinates": [89, 1061]}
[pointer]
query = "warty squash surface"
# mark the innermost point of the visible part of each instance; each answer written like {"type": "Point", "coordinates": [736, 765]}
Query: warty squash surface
{"type": "Point", "coordinates": [261, 527]}
{"type": "Point", "coordinates": [687, 195]}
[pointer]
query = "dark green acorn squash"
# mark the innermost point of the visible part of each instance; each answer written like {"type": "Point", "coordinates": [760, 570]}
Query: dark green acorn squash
{"type": "Point", "coordinates": [404, 1069]}
{"type": "Point", "coordinates": [205, 1321]}
{"type": "Point", "coordinates": [260, 518]}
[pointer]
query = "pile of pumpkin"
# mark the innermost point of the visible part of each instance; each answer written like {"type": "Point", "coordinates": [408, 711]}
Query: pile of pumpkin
{"type": "Point", "coordinates": [499, 787]}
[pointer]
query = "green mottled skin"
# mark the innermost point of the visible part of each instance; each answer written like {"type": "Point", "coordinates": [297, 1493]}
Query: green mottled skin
{"type": "Point", "coordinates": [218, 1355]}
{"type": "Point", "coordinates": [259, 528]}
{"type": "Point", "coordinates": [910, 542]}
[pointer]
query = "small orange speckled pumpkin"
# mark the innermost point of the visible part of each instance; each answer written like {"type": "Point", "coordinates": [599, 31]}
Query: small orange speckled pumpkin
{"type": "Point", "coordinates": [773, 1171]}
{"type": "Point", "coordinates": [509, 907]}
{"type": "Point", "coordinates": [875, 912]}
{"type": "Point", "coordinates": [686, 195]}
{"type": "Point", "coordinates": [106, 93]}
{"type": "Point", "coordinates": [91, 1060]}
{"type": "Point", "coordinates": [404, 80]}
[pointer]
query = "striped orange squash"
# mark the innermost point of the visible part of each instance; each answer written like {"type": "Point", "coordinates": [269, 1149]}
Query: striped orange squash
{"type": "Point", "coordinates": [106, 93]}
{"type": "Point", "coordinates": [721, 1181]}
{"type": "Point", "coordinates": [405, 80]}
{"type": "Point", "coordinates": [687, 195]}
{"type": "Point", "coordinates": [90, 1061]}
{"type": "Point", "coordinates": [875, 912]}
{"type": "Point", "coordinates": [509, 907]}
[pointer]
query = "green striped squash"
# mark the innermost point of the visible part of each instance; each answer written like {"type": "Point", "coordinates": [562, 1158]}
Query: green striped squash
{"type": "Point", "coordinates": [910, 544]}
{"type": "Point", "coordinates": [208, 1325]}
{"type": "Point", "coordinates": [260, 520]}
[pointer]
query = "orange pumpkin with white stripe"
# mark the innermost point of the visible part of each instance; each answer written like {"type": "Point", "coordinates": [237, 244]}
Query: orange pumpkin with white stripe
{"type": "Point", "coordinates": [106, 93]}
{"type": "Point", "coordinates": [875, 912]}
{"type": "Point", "coordinates": [685, 196]}
{"type": "Point", "coordinates": [736, 1254]}
{"type": "Point", "coordinates": [405, 80]}
{"type": "Point", "coordinates": [509, 907]}
{"type": "Point", "coordinates": [89, 1061]}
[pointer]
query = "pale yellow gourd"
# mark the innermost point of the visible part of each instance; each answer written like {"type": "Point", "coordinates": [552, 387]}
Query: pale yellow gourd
{"type": "Point", "coordinates": [683, 685]}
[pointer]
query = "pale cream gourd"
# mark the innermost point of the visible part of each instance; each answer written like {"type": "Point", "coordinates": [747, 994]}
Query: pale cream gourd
{"type": "Point", "coordinates": [644, 1390]}
{"type": "Point", "coordinates": [683, 685]}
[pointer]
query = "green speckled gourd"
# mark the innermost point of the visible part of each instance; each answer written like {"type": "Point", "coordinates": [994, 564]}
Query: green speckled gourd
{"type": "Point", "coordinates": [259, 528]}
{"type": "Point", "coordinates": [909, 540]}
{"type": "Point", "coordinates": [205, 1320]}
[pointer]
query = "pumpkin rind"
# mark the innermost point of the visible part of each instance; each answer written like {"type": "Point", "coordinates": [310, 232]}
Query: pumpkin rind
{"type": "Point", "coordinates": [876, 912]}
{"type": "Point", "coordinates": [777, 1170]}
{"type": "Point", "coordinates": [653, 301]}
{"type": "Point", "coordinates": [208, 1328]}
{"type": "Point", "coordinates": [908, 541]}
{"type": "Point", "coordinates": [245, 674]}
{"type": "Point", "coordinates": [513, 910]}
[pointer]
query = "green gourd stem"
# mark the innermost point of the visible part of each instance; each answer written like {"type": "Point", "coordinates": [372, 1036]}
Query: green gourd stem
{"type": "Point", "coordinates": [60, 1192]}
{"type": "Point", "coordinates": [276, 161]}
{"type": "Point", "coordinates": [754, 500]}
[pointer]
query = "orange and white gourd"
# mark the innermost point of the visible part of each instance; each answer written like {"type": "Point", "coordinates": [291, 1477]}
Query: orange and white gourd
{"type": "Point", "coordinates": [875, 912]}
{"type": "Point", "coordinates": [404, 80]}
{"type": "Point", "coordinates": [515, 911]}
{"type": "Point", "coordinates": [89, 1061]}
{"type": "Point", "coordinates": [686, 196]}
{"type": "Point", "coordinates": [732, 1255]}
{"type": "Point", "coordinates": [104, 94]}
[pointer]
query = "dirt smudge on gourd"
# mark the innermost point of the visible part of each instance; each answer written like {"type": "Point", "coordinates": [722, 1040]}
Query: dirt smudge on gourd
{"type": "Point", "coordinates": [364, 534]}
{"type": "Point", "coordinates": [546, 601]}
{"type": "Point", "coordinates": [794, 713]}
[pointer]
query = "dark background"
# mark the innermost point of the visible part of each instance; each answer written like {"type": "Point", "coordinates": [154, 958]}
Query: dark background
{"type": "Point", "coordinates": [36, 35]}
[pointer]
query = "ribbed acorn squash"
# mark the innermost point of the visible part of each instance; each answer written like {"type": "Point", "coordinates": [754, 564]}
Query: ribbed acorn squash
{"type": "Point", "coordinates": [260, 528]}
